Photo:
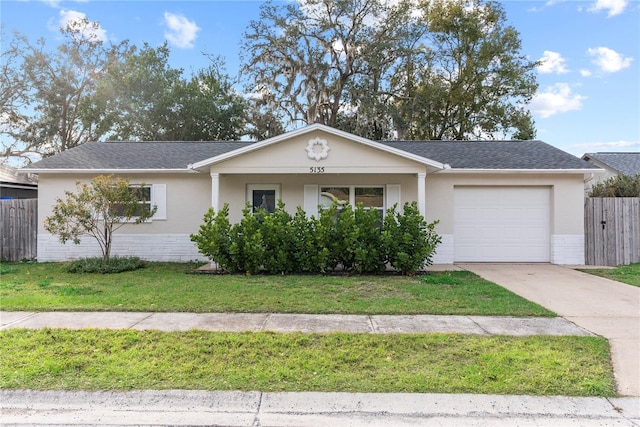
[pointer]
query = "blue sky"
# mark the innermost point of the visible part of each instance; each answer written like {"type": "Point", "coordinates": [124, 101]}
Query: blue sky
{"type": "Point", "coordinates": [589, 94]}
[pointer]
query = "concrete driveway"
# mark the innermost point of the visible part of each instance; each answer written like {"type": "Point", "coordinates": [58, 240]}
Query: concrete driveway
{"type": "Point", "coordinates": [602, 306]}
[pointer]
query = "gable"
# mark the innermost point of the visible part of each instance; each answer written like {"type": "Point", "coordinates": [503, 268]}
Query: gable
{"type": "Point", "coordinates": [322, 152]}
{"type": "Point", "coordinates": [318, 149]}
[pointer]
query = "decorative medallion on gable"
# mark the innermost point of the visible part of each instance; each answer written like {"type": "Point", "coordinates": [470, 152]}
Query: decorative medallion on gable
{"type": "Point", "coordinates": [318, 149]}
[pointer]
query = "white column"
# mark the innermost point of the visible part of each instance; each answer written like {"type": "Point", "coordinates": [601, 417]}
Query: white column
{"type": "Point", "coordinates": [422, 204]}
{"type": "Point", "coordinates": [215, 191]}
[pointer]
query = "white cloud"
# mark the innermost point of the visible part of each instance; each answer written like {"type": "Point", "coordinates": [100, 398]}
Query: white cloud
{"type": "Point", "coordinates": [181, 32]}
{"type": "Point", "coordinates": [556, 99]}
{"type": "Point", "coordinates": [585, 73]}
{"type": "Point", "coordinates": [615, 7]}
{"type": "Point", "coordinates": [609, 60]}
{"type": "Point", "coordinates": [56, 3]}
{"type": "Point", "coordinates": [78, 21]}
{"type": "Point", "coordinates": [591, 147]}
{"type": "Point", "coordinates": [552, 62]}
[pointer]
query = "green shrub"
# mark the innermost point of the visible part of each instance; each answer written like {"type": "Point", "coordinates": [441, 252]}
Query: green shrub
{"type": "Point", "coordinates": [278, 236]}
{"type": "Point", "coordinates": [213, 240]}
{"type": "Point", "coordinates": [617, 186]}
{"type": "Point", "coordinates": [309, 251]}
{"type": "Point", "coordinates": [409, 241]}
{"type": "Point", "coordinates": [355, 240]}
{"type": "Point", "coordinates": [343, 237]}
{"type": "Point", "coordinates": [246, 248]}
{"type": "Point", "coordinates": [369, 254]}
{"type": "Point", "coordinates": [99, 265]}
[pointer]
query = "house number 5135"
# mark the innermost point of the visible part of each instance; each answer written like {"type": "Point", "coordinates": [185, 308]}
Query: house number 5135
{"type": "Point", "coordinates": [315, 169]}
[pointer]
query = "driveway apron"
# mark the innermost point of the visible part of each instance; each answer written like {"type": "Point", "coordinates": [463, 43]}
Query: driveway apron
{"type": "Point", "coordinates": [602, 306]}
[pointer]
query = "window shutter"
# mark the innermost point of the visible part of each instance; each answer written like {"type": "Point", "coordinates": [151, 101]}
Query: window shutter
{"type": "Point", "coordinates": [311, 200]}
{"type": "Point", "coordinates": [393, 196]}
{"type": "Point", "coordinates": [159, 199]}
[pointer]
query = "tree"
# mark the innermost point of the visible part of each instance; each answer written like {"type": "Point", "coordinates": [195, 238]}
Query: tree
{"type": "Point", "coordinates": [302, 57]}
{"type": "Point", "coordinates": [148, 100]}
{"type": "Point", "coordinates": [441, 69]}
{"type": "Point", "coordinates": [98, 209]}
{"type": "Point", "coordinates": [206, 108]}
{"type": "Point", "coordinates": [617, 186]}
{"type": "Point", "coordinates": [13, 89]}
{"type": "Point", "coordinates": [139, 94]}
{"type": "Point", "coordinates": [474, 81]}
{"type": "Point", "coordinates": [45, 93]}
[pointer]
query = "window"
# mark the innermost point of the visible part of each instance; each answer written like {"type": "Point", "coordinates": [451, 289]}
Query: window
{"type": "Point", "coordinates": [370, 197]}
{"type": "Point", "coordinates": [339, 195]}
{"type": "Point", "coordinates": [151, 196]}
{"type": "Point", "coordinates": [263, 196]}
{"type": "Point", "coordinates": [143, 194]}
{"type": "Point", "coordinates": [144, 200]}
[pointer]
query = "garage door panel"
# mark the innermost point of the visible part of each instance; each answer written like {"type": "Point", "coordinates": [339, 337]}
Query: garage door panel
{"type": "Point", "coordinates": [502, 224]}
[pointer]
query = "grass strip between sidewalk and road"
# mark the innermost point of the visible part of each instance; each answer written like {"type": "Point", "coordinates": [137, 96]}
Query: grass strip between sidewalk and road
{"type": "Point", "coordinates": [93, 359]}
{"type": "Point", "coordinates": [629, 274]}
{"type": "Point", "coordinates": [168, 287]}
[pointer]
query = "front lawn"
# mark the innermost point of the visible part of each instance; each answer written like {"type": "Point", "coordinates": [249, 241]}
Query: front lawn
{"type": "Point", "coordinates": [169, 287]}
{"type": "Point", "coordinates": [629, 274]}
{"type": "Point", "coordinates": [56, 359]}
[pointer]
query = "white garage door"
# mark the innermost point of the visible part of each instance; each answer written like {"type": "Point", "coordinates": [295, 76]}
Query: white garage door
{"type": "Point", "coordinates": [502, 224]}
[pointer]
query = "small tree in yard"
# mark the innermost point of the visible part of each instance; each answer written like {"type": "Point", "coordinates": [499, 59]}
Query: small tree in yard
{"type": "Point", "coordinates": [98, 209]}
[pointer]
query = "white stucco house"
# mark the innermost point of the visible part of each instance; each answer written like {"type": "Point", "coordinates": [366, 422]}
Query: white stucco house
{"type": "Point", "coordinates": [497, 201]}
{"type": "Point", "coordinates": [612, 164]}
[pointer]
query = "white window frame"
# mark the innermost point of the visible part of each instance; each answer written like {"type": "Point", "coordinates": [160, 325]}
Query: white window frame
{"type": "Point", "coordinates": [252, 187]}
{"type": "Point", "coordinates": [157, 199]}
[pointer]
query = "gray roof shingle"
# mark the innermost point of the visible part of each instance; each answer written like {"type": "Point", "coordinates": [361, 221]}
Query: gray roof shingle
{"type": "Point", "coordinates": [136, 155]}
{"type": "Point", "coordinates": [493, 154]}
{"type": "Point", "coordinates": [178, 155]}
{"type": "Point", "coordinates": [624, 163]}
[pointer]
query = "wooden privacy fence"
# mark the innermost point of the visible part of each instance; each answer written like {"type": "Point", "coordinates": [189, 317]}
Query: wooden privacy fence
{"type": "Point", "coordinates": [612, 230]}
{"type": "Point", "coordinates": [18, 229]}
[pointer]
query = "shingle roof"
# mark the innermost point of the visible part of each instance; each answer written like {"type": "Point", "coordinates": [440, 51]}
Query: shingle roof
{"type": "Point", "coordinates": [493, 154]}
{"type": "Point", "coordinates": [178, 155]}
{"type": "Point", "coordinates": [136, 155]}
{"type": "Point", "coordinates": [624, 163]}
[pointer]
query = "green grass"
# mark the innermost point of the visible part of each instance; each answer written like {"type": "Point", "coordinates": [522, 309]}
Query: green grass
{"type": "Point", "coordinates": [168, 287]}
{"type": "Point", "coordinates": [92, 359]}
{"type": "Point", "coordinates": [629, 274]}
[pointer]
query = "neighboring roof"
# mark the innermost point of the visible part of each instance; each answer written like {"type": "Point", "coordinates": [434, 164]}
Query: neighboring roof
{"type": "Point", "coordinates": [136, 155]}
{"type": "Point", "coordinates": [623, 163]}
{"type": "Point", "coordinates": [493, 154]}
{"type": "Point", "coordinates": [9, 176]}
{"type": "Point", "coordinates": [183, 156]}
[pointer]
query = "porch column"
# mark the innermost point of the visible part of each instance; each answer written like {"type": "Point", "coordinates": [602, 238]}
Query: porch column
{"type": "Point", "coordinates": [422, 178]}
{"type": "Point", "coordinates": [215, 191]}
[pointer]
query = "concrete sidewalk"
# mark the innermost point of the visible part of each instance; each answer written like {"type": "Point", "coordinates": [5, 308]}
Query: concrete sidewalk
{"type": "Point", "coordinates": [602, 306]}
{"type": "Point", "coordinates": [237, 322]}
{"type": "Point", "coordinates": [199, 408]}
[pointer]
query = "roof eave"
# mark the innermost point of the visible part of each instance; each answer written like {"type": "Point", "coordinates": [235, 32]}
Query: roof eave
{"type": "Point", "coordinates": [103, 171]}
{"type": "Point", "coordinates": [521, 171]}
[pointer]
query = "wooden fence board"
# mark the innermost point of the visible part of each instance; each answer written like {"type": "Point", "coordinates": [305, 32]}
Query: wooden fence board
{"type": "Point", "coordinates": [18, 229]}
{"type": "Point", "coordinates": [612, 230]}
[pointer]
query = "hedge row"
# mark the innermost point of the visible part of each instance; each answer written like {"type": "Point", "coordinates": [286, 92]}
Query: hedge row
{"type": "Point", "coordinates": [346, 239]}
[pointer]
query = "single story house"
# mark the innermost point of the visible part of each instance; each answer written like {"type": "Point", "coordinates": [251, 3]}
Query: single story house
{"type": "Point", "coordinates": [612, 164]}
{"type": "Point", "coordinates": [497, 201]}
